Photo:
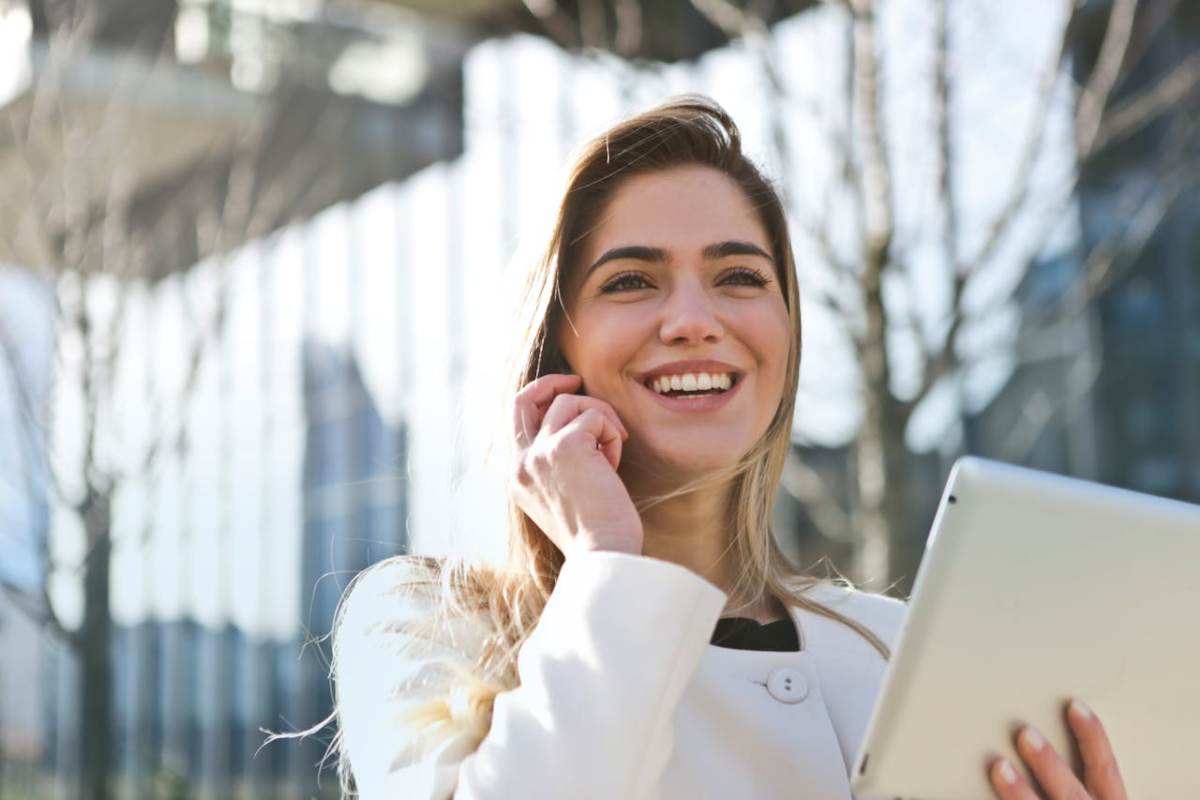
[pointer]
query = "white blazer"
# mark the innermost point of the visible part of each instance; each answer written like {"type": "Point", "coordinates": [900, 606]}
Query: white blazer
{"type": "Point", "coordinates": [621, 695]}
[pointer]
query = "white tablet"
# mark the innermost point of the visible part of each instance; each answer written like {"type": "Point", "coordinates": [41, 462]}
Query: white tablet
{"type": "Point", "coordinates": [1036, 588]}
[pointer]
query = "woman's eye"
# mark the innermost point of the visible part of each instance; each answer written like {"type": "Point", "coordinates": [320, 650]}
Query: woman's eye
{"type": "Point", "coordinates": [625, 282]}
{"type": "Point", "coordinates": [744, 276]}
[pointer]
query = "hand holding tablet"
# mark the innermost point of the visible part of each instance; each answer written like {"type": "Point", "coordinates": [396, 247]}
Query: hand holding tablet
{"type": "Point", "coordinates": [1099, 778]}
{"type": "Point", "coordinates": [1035, 590]}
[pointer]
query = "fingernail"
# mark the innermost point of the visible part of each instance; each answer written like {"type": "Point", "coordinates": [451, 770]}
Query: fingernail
{"type": "Point", "coordinates": [1007, 773]}
{"type": "Point", "coordinates": [1033, 739]}
{"type": "Point", "coordinates": [1081, 710]}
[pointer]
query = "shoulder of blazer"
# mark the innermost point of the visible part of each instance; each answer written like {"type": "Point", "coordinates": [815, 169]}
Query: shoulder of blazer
{"type": "Point", "coordinates": [883, 615]}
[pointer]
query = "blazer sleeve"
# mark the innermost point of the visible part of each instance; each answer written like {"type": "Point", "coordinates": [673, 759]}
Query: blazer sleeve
{"type": "Point", "coordinates": [599, 681]}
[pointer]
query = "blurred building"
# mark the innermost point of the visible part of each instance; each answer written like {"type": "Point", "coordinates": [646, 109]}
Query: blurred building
{"type": "Point", "coordinates": [191, 700]}
{"type": "Point", "coordinates": [1109, 390]}
{"type": "Point", "coordinates": [22, 674]}
{"type": "Point", "coordinates": [26, 353]}
{"type": "Point", "coordinates": [194, 687]}
{"type": "Point", "coordinates": [355, 513]}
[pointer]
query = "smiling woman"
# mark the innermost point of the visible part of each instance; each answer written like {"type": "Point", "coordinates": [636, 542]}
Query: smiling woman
{"type": "Point", "coordinates": [681, 289]}
{"type": "Point", "coordinates": [652, 397]}
{"type": "Point", "coordinates": [646, 637]}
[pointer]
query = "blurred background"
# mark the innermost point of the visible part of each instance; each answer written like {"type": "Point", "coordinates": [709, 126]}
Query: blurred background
{"type": "Point", "coordinates": [254, 256]}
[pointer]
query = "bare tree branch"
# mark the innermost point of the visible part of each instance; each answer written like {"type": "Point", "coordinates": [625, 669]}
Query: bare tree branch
{"type": "Point", "coordinates": [943, 152]}
{"type": "Point", "coordinates": [1104, 265]}
{"type": "Point", "coordinates": [1122, 247]}
{"type": "Point", "coordinates": [1153, 17]}
{"type": "Point", "coordinates": [39, 609]}
{"type": "Point", "coordinates": [938, 364]}
{"type": "Point", "coordinates": [1039, 122]}
{"type": "Point", "coordinates": [1039, 411]}
{"type": "Point", "coordinates": [875, 185]}
{"type": "Point", "coordinates": [1093, 98]}
{"type": "Point", "coordinates": [738, 23]}
{"type": "Point", "coordinates": [878, 225]}
{"type": "Point", "coordinates": [1142, 207]}
{"type": "Point", "coordinates": [1144, 107]}
{"type": "Point", "coordinates": [41, 483]}
{"type": "Point", "coordinates": [28, 417]}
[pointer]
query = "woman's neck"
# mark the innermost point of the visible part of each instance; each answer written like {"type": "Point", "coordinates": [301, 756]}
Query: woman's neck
{"type": "Point", "coordinates": [693, 530]}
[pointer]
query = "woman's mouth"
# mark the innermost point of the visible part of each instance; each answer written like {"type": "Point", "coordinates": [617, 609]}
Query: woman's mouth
{"type": "Point", "coordinates": [692, 384]}
{"type": "Point", "coordinates": [694, 391]}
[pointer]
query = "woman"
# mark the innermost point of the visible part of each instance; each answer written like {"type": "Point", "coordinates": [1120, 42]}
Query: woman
{"type": "Point", "coordinates": [646, 637]}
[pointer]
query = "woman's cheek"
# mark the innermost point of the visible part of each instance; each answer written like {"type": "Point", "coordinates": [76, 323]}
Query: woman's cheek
{"type": "Point", "coordinates": [770, 331]}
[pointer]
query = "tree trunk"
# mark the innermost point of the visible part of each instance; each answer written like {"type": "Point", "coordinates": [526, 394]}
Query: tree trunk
{"type": "Point", "coordinates": [95, 724]}
{"type": "Point", "coordinates": [880, 453]}
{"type": "Point", "coordinates": [881, 456]}
{"type": "Point", "coordinates": [882, 463]}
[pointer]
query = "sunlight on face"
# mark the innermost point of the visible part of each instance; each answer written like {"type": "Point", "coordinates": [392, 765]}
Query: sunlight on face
{"type": "Point", "coordinates": [678, 279]}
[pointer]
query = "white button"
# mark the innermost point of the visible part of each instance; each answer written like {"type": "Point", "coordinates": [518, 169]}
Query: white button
{"type": "Point", "coordinates": [787, 685]}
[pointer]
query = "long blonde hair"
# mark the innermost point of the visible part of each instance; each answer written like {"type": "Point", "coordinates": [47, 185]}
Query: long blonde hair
{"type": "Point", "coordinates": [508, 601]}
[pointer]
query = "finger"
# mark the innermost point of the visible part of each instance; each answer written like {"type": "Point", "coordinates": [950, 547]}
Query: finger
{"type": "Point", "coordinates": [566, 407]}
{"type": "Point", "coordinates": [610, 446]}
{"type": "Point", "coordinates": [532, 400]}
{"type": "Point", "coordinates": [1048, 767]}
{"type": "Point", "coordinates": [1101, 775]}
{"type": "Point", "coordinates": [1008, 782]}
{"type": "Point", "coordinates": [597, 427]}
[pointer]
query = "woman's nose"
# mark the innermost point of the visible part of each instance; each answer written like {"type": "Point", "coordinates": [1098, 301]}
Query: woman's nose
{"type": "Point", "coordinates": [688, 316]}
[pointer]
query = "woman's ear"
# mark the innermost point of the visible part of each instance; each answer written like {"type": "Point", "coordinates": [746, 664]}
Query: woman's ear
{"type": "Point", "coordinates": [557, 365]}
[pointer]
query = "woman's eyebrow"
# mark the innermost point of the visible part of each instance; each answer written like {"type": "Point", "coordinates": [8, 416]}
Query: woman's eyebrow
{"type": "Point", "coordinates": [636, 252]}
{"type": "Point", "coordinates": [735, 248]}
{"type": "Point", "coordinates": [644, 253]}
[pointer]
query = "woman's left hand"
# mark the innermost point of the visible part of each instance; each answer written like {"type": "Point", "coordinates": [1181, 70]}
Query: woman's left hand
{"type": "Point", "coordinates": [1101, 779]}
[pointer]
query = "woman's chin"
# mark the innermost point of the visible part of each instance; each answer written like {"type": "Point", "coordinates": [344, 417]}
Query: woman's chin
{"type": "Point", "coordinates": [680, 463]}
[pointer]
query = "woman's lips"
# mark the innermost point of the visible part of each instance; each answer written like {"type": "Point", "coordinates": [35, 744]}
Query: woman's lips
{"type": "Point", "coordinates": [697, 404]}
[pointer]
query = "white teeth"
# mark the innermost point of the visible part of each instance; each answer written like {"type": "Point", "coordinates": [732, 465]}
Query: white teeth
{"type": "Point", "coordinates": [692, 382]}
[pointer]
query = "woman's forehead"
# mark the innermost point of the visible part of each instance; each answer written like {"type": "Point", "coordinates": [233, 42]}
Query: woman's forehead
{"type": "Point", "coordinates": [679, 210]}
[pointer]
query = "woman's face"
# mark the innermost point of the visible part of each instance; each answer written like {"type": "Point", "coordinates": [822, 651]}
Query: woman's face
{"type": "Point", "coordinates": [677, 319]}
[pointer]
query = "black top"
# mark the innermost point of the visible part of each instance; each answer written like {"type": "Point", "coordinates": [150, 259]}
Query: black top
{"type": "Point", "coordinates": [743, 633]}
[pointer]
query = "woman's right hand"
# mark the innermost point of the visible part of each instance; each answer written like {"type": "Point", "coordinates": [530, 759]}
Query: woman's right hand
{"type": "Point", "coordinates": [568, 447]}
{"type": "Point", "coordinates": [1100, 778]}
